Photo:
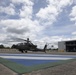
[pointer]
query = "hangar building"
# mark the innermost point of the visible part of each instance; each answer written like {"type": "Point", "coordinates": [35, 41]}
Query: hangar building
{"type": "Point", "coordinates": [68, 46]}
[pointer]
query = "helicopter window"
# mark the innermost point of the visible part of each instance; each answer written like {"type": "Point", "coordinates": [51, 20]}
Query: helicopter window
{"type": "Point", "coordinates": [18, 44]}
{"type": "Point", "coordinates": [31, 43]}
{"type": "Point", "coordinates": [24, 43]}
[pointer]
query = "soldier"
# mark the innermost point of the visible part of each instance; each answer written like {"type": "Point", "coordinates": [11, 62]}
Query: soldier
{"type": "Point", "coordinates": [45, 47]}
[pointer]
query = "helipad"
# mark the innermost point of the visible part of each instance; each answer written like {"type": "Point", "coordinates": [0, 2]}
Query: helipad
{"type": "Point", "coordinates": [33, 61]}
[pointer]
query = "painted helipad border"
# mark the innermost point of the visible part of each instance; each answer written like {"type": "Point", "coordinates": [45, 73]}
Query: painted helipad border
{"type": "Point", "coordinates": [18, 68]}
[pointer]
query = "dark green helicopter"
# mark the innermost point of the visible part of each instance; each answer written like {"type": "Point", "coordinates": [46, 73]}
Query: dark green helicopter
{"type": "Point", "coordinates": [28, 46]}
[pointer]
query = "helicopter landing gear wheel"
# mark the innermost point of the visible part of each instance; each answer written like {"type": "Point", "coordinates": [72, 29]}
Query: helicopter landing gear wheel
{"type": "Point", "coordinates": [25, 51]}
{"type": "Point", "coordinates": [21, 50]}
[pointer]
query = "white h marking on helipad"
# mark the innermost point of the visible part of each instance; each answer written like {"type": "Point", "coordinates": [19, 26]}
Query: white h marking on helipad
{"type": "Point", "coordinates": [35, 56]}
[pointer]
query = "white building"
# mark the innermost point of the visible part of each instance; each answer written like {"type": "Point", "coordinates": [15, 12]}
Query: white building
{"type": "Point", "coordinates": [69, 46]}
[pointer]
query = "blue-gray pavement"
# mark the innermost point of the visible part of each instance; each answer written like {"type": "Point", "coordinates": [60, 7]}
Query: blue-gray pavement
{"type": "Point", "coordinates": [32, 62]}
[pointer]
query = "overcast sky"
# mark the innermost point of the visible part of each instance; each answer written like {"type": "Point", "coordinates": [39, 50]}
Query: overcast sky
{"type": "Point", "coordinates": [40, 20]}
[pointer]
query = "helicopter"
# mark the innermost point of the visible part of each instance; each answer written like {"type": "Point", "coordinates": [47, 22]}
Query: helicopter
{"type": "Point", "coordinates": [28, 46]}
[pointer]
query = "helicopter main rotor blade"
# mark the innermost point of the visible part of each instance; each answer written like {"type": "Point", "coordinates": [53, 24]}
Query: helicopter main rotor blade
{"type": "Point", "coordinates": [20, 39]}
{"type": "Point", "coordinates": [13, 41]}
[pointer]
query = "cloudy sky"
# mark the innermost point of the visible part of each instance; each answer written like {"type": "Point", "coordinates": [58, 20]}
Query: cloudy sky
{"type": "Point", "coordinates": [40, 20]}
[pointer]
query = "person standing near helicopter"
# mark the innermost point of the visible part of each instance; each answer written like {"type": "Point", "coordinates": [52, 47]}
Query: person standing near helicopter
{"type": "Point", "coordinates": [45, 47]}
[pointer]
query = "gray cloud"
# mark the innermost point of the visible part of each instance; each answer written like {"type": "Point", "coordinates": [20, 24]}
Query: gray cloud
{"type": "Point", "coordinates": [17, 31]}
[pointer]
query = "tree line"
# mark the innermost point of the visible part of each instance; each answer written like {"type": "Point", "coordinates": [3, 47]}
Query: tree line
{"type": "Point", "coordinates": [4, 47]}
